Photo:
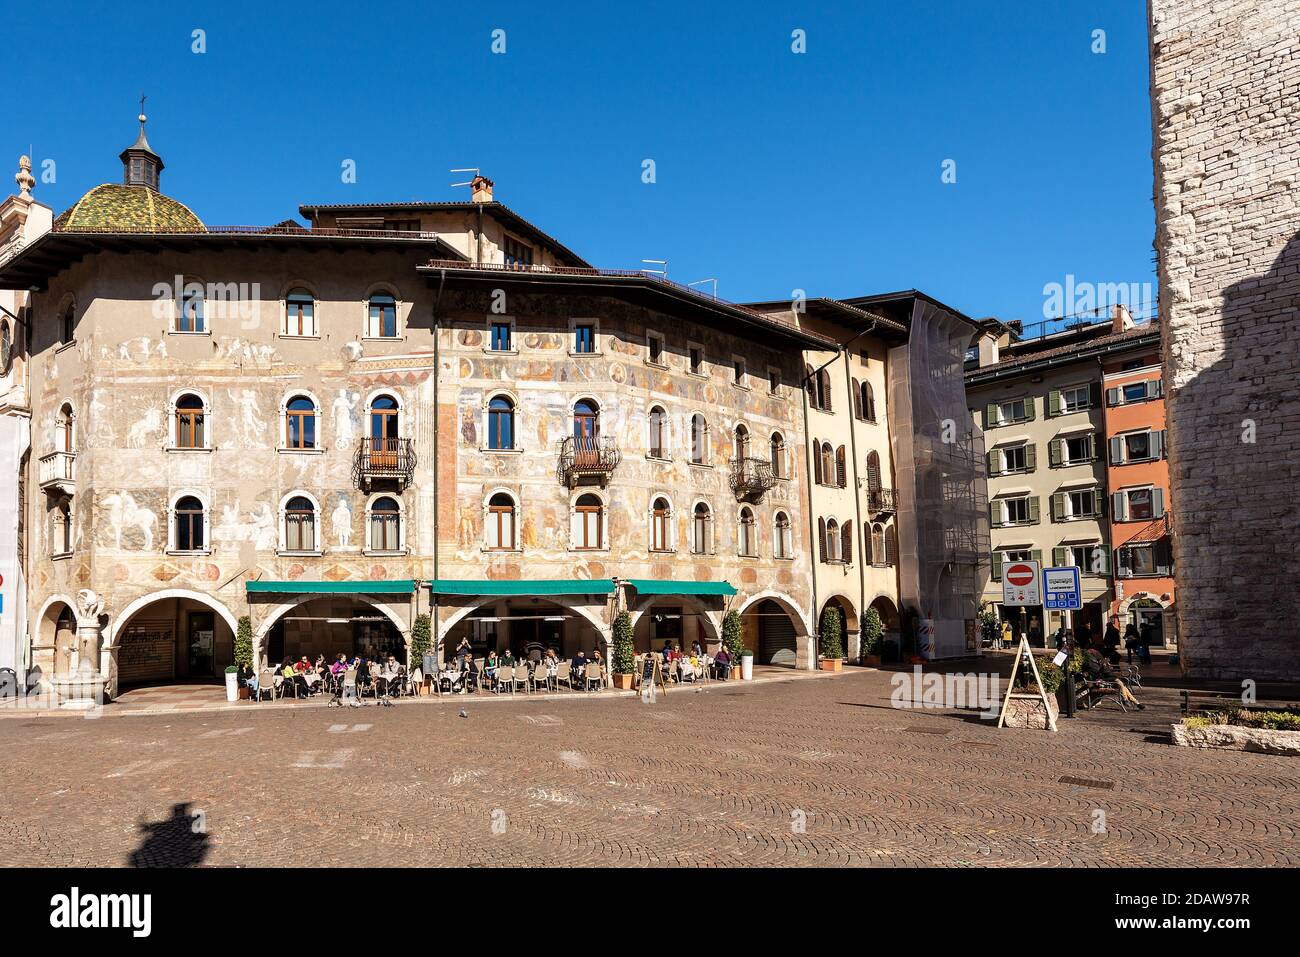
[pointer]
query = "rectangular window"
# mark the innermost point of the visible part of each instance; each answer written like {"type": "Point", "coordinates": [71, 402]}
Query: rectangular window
{"type": "Point", "coordinates": [1075, 399]}
{"type": "Point", "coordinates": [190, 318]}
{"type": "Point", "coordinates": [1019, 556]}
{"type": "Point", "coordinates": [1078, 448]}
{"type": "Point", "coordinates": [589, 527]}
{"type": "Point", "coordinates": [1139, 504]}
{"type": "Point", "coordinates": [1016, 510]}
{"type": "Point", "coordinates": [584, 338]}
{"type": "Point", "coordinates": [1135, 391]}
{"type": "Point", "coordinates": [1017, 410]}
{"type": "Point", "coordinates": [300, 532]}
{"type": "Point", "coordinates": [774, 381]}
{"type": "Point", "coordinates": [1138, 559]}
{"type": "Point", "coordinates": [738, 371]}
{"type": "Point", "coordinates": [501, 340]}
{"type": "Point", "coordinates": [382, 318]}
{"type": "Point", "coordinates": [1083, 503]}
{"type": "Point", "coordinates": [697, 360]}
{"type": "Point", "coordinates": [1014, 459]}
{"type": "Point", "coordinates": [655, 349]}
{"type": "Point", "coordinates": [1137, 446]}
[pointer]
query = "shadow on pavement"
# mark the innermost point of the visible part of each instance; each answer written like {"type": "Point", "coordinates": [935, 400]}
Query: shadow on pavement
{"type": "Point", "coordinates": [176, 841]}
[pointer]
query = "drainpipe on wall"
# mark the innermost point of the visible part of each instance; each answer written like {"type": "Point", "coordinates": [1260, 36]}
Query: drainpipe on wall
{"type": "Point", "coordinates": [857, 507]}
{"type": "Point", "coordinates": [433, 598]}
{"type": "Point", "coordinates": [812, 519]}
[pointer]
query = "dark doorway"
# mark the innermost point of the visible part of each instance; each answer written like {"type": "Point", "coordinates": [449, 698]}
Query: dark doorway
{"type": "Point", "coordinates": [201, 632]}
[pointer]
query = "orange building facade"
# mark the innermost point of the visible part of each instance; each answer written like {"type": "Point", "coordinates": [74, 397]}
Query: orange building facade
{"type": "Point", "coordinates": [1137, 479]}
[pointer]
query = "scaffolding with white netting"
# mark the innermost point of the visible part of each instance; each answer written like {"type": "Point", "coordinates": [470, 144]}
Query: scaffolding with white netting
{"type": "Point", "coordinates": [942, 484]}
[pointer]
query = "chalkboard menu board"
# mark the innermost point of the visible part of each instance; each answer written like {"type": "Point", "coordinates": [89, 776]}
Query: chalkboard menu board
{"type": "Point", "coordinates": [648, 668]}
{"type": "Point", "coordinates": [148, 652]}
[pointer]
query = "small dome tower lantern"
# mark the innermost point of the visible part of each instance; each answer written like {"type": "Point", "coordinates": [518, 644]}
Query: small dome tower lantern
{"type": "Point", "coordinates": [141, 166]}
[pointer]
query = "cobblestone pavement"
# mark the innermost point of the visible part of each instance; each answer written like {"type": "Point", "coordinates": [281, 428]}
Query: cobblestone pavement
{"type": "Point", "coordinates": [798, 772]}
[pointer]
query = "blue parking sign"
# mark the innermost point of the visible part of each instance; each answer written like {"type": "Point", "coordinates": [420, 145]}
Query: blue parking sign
{"type": "Point", "coordinates": [1062, 590]}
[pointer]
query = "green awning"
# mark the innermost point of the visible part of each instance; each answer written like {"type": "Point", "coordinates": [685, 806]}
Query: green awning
{"type": "Point", "coordinates": [538, 586]}
{"type": "Point", "coordinates": [401, 586]}
{"type": "Point", "coordinates": [652, 586]}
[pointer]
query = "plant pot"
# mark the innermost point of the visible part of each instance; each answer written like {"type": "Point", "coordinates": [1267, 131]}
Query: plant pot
{"type": "Point", "coordinates": [244, 693]}
{"type": "Point", "coordinates": [232, 686]}
{"type": "Point", "coordinates": [623, 682]}
{"type": "Point", "coordinates": [871, 661]}
{"type": "Point", "coordinates": [830, 664]}
{"type": "Point", "coordinates": [746, 667]}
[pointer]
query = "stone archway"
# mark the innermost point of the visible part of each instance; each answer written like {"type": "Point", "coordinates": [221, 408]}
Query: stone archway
{"type": "Point", "coordinates": [170, 634]}
{"type": "Point", "coordinates": [698, 623]}
{"type": "Point", "coordinates": [287, 603]}
{"type": "Point", "coordinates": [850, 634]}
{"type": "Point", "coordinates": [773, 625]}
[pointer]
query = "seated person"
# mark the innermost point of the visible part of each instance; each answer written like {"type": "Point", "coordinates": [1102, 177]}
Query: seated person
{"type": "Point", "coordinates": [722, 663]}
{"type": "Point", "coordinates": [1095, 668]}
{"type": "Point", "coordinates": [470, 673]}
{"type": "Point", "coordinates": [578, 664]}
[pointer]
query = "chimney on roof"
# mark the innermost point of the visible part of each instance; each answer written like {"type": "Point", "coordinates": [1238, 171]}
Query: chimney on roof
{"type": "Point", "coordinates": [1120, 318]}
{"type": "Point", "coordinates": [480, 189]}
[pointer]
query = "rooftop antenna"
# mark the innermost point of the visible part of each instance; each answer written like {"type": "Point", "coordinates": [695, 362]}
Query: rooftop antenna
{"type": "Point", "coordinates": [467, 169]}
{"type": "Point", "coordinates": [657, 272]}
{"type": "Point", "coordinates": [700, 282]}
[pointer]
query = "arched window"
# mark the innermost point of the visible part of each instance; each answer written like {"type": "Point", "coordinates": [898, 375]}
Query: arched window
{"type": "Point", "coordinates": [878, 553]}
{"type": "Point", "coordinates": [699, 439]}
{"type": "Point", "coordinates": [824, 390]}
{"type": "Point", "coordinates": [745, 544]}
{"type": "Point", "coordinates": [65, 435]}
{"type": "Point", "coordinates": [857, 399]}
{"type": "Point", "coordinates": [701, 530]}
{"type": "Point", "coordinates": [841, 472]}
{"type": "Point", "coordinates": [189, 312]}
{"type": "Point", "coordinates": [6, 346]}
{"type": "Point", "coordinates": [299, 313]}
{"type": "Point", "coordinates": [846, 543]}
{"type": "Point", "coordinates": [873, 470]}
{"type": "Point", "coordinates": [384, 431]}
{"type": "Point", "coordinates": [61, 530]}
{"type": "Point", "coordinates": [776, 451]}
{"type": "Point", "coordinates": [299, 525]}
{"type": "Point", "coordinates": [500, 526]}
{"type": "Point", "coordinates": [661, 517]}
{"type": "Point", "coordinates": [385, 525]}
{"type": "Point", "coordinates": [586, 420]}
{"type": "Point", "coordinates": [189, 519]}
{"type": "Point", "coordinates": [381, 317]}
{"type": "Point", "coordinates": [782, 543]}
{"type": "Point", "coordinates": [658, 433]}
{"type": "Point", "coordinates": [828, 464]}
{"type": "Point", "coordinates": [867, 402]}
{"type": "Point", "coordinates": [300, 423]}
{"type": "Point", "coordinates": [588, 522]}
{"type": "Point", "coordinates": [501, 423]}
{"type": "Point", "coordinates": [832, 540]}
{"type": "Point", "coordinates": [741, 443]}
{"type": "Point", "coordinates": [191, 422]}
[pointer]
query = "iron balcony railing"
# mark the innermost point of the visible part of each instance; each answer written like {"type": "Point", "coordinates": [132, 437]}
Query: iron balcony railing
{"type": "Point", "coordinates": [384, 460]}
{"type": "Point", "coordinates": [56, 470]}
{"type": "Point", "coordinates": [751, 477]}
{"type": "Point", "coordinates": [882, 501]}
{"type": "Point", "coordinates": [587, 458]}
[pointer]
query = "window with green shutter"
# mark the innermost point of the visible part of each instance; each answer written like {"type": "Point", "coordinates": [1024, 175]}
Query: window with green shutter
{"type": "Point", "coordinates": [1033, 509]}
{"type": "Point", "coordinates": [1058, 506]}
{"type": "Point", "coordinates": [1054, 453]}
{"type": "Point", "coordinates": [1054, 402]}
{"type": "Point", "coordinates": [1059, 557]}
{"type": "Point", "coordinates": [997, 566]}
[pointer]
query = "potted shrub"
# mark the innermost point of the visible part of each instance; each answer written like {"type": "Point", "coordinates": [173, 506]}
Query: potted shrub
{"type": "Point", "coordinates": [243, 659]}
{"type": "Point", "coordinates": [873, 634]}
{"type": "Point", "coordinates": [421, 640]}
{"type": "Point", "coordinates": [624, 652]}
{"type": "Point", "coordinates": [832, 650]}
{"type": "Point", "coordinates": [733, 639]}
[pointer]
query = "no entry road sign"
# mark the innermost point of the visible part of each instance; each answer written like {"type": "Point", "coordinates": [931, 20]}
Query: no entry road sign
{"type": "Point", "coordinates": [1020, 584]}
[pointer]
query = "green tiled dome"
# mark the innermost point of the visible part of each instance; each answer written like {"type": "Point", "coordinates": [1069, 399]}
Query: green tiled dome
{"type": "Point", "coordinates": [117, 208]}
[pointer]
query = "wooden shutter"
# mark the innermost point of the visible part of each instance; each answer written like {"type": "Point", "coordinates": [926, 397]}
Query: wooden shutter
{"type": "Point", "coordinates": [891, 545]}
{"type": "Point", "coordinates": [841, 473]}
{"type": "Point", "coordinates": [821, 539]}
{"type": "Point", "coordinates": [991, 416]}
{"type": "Point", "coordinates": [997, 566]}
{"type": "Point", "coordinates": [1058, 506]}
{"type": "Point", "coordinates": [1117, 451]}
{"type": "Point", "coordinates": [1113, 396]}
{"type": "Point", "coordinates": [1054, 452]}
{"type": "Point", "coordinates": [1157, 443]}
{"type": "Point", "coordinates": [1029, 408]}
{"type": "Point", "coordinates": [1094, 394]}
{"type": "Point", "coordinates": [857, 399]}
{"type": "Point", "coordinates": [1158, 503]}
{"type": "Point", "coordinates": [817, 462]}
{"type": "Point", "coordinates": [993, 462]}
{"type": "Point", "coordinates": [1155, 388]}
{"type": "Point", "coordinates": [1058, 557]}
{"type": "Point", "coordinates": [995, 513]}
{"type": "Point", "coordinates": [1100, 551]}
{"type": "Point", "coordinates": [1121, 562]}
{"type": "Point", "coordinates": [1117, 507]}
{"type": "Point", "coordinates": [1092, 446]}
{"type": "Point", "coordinates": [1031, 457]}
{"type": "Point", "coordinates": [1033, 509]}
{"type": "Point", "coordinates": [1036, 555]}
{"type": "Point", "coordinates": [1054, 402]}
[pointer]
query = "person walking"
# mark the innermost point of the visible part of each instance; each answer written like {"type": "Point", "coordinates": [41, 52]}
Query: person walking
{"type": "Point", "coordinates": [1111, 642]}
{"type": "Point", "coordinates": [1006, 635]}
{"type": "Point", "coordinates": [1130, 640]}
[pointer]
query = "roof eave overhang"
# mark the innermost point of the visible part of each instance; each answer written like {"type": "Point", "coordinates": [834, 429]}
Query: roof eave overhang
{"type": "Point", "coordinates": [998, 373]}
{"type": "Point", "coordinates": [53, 251]}
{"type": "Point", "coordinates": [650, 288]}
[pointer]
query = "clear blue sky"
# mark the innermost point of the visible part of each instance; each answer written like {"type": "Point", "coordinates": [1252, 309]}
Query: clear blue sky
{"type": "Point", "coordinates": [775, 170]}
